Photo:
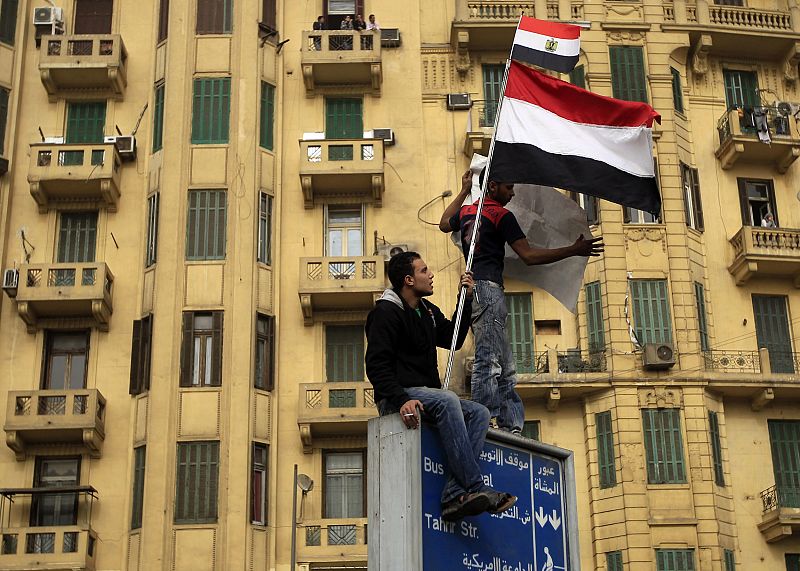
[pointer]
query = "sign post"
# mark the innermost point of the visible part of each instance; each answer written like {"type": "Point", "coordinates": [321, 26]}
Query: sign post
{"type": "Point", "coordinates": [406, 475]}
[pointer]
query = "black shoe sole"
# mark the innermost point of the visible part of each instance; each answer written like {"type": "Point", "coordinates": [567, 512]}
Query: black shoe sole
{"type": "Point", "coordinates": [475, 504]}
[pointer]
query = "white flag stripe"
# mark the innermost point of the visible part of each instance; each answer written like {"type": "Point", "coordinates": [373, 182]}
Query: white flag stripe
{"type": "Point", "coordinates": [536, 42]}
{"type": "Point", "coordinates": [625, 148]}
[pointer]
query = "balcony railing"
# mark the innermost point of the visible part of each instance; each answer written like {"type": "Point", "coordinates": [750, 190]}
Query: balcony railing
{"type": "Point", "coordinates": [760, 135]}
{"type": "Point", "coordinates": [335, 537]}
{"type": "Point", "coordinates": [780, 512]}
{"type": "Point", "coordinates": [62, 547]}
{"type": "Point", "coordinates": [342, 57]}
{"type": "Point", "coordinates": [75, 176]}
{"type": "Point", "coordinates": [86, 65]}
{"type": "Point", "coordinates": [334, 408]}
{"type": "Point", "coordinates": [47, 294]}
{"type": "Point", "coordinates": [780, 497]}
{"type": "Point", "coordinates": [577, 361]}
{"type": "Point", "coordinates": [772, 252]}
{"type": "Point", "coordinates": [732, 361]}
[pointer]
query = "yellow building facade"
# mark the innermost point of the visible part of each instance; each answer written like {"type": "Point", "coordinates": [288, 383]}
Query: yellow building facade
{"type": "Point", "coordinates": [196, 204]}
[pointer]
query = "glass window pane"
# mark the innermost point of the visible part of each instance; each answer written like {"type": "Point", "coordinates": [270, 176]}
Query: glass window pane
{"type": "Point", "coordinates": [207, 357]}
{"type": "Point", "coordinates": [196, 364]}
{"type": "Point", "coordinates": [354, 243]}
{"type": "Point", "coordinates": [58, 372]}
{"type": "Point", "coordinates": [202, 322]}
{"type": "Point", "coordinates": [335, 243]}
{"type": "Point", "coordinates": [77, 373]}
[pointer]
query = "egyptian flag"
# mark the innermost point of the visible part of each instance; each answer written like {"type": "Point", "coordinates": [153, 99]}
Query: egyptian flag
{"type": "Point", "coordinates": [553, 133]}
{"type": "Point", "coordinates": [547, 44]}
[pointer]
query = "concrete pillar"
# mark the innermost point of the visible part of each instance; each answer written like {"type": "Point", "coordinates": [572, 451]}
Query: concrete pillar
{"type": "Point", "coordinates": [679, 6]}
{"type": "Point", "coordinates": [540, 9]}
{"type": "Point", "coordinates": [703, 15]}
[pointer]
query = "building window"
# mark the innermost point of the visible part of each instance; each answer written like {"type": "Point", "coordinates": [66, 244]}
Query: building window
{"type": "Point", "coordinates": [206, 225]}
{"type": "Point", "coordinates": [692, 203]}
{"type": "Point", "coordinates": [716, 447]}
{"type": "Point", "coordinates": [677, 90]}
{"type": "Point", "coordinates": [77, 237]}
{"type": "Point", "coordinates": [663, 444]}
{"type": "Point", "coordinates": [343, 120]}
{"type": "Point", "coordinates": [345, 231]}
{"type": "Point", "coordinates": [214, 16]}
{"type": "Point", "coordinates": [628, 79]}
{"type": "Point", "coordinates": [345, 486]}
{"type": "Point", "coordinates": [211, 109]}
{"type": "Point", "coordinates": [792, 562]}
{"type": "Point", "coordinates": [4, 93]}
{"type": "Point", "coordinates": [258, 484]}
{"type": "Point", "coordinates": [151, 247]}
{"type": "Point", "coordinates": [651, 314]}
{"type": "Point", "coordinates": [344, 353]}
{"type": "Point", "coordinates": [675, 559]}
{"type": "Point", "coordinates": [158, 118]}
{"type": "Point", "coordinates": [141, 350]}
{"type": "Point", "coordinates": [594, 318]}
{"type": "Point", "coordinates": [201, 350]}
{"type": "Point", "coordinates": [137, 504]}
{"type": "Point", "coordinates": [267, 126]}
{"type": "Point", "coordinates": [614, 561]}
{"type": "Point", "coordinates": [772, 331]}
{"type": "Point", "coordinates": [519, 331]}
{"type": "Point", "coordinates": [634, 216]}
{"type": "Point", "coordinates": [702, 318]}
{"type": "Point", "coordinates": [163, 20]}
{"type": "Point", "coordinates": [269, 14]}
{"type": "Point", "coordinates": [589, 205]}
{"type": "Point", "coordinates": [93, 16]}
{"type": "Point", "coordinates": [86, 123]}
{"type": "Point", "coordinates": [66, 356]}
{"type": "Point", "coordinates": [196, 482]}
{"type": "Point", "coordinates": [492, 86]}
{"type": "Point", "coordinates": [606, 461]}
{"type": "Point", "coordinates": [8, 21]}
{"type": "Point", "coordinates": [757, 198]}
{"type": "Point", "coordinates": [741, 89]}
{"type": "Point", "coordinates": [265, 229]}
{"type": "Point", "coordinates": [730, 560]}
{"type": "Point", "coordinates": [531, 429]}
{"type": "Point", "coordinates": [784, 439]}
{"type": "Point", "coordinates": [577, 76]}
{"type": "Point", "coordinates": [265, 352]}
{"type": "Point", "coordinates": [55, 509]}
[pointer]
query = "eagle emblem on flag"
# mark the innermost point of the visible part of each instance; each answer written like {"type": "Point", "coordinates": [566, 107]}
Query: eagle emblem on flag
{"type": "Point", "coordinates": [551, 45]}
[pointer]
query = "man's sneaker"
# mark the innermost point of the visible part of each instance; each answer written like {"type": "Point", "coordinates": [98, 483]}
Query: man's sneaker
{"type": "Point", "coordinates": [466, 505]}
{"type": "Point", "coordinates": [517, 431]}
{"type": "Point", "coordinates": [493, 423]}
{"type": "Point", "coordinates": [500, 502]}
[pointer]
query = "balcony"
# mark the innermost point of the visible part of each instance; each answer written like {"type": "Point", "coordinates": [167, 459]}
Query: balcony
{"type": "Point", "coordinates": [766, 252]}
{"type": "Point", "coordinates": [339, 540]}
{"type": "Point", "coordinates": [739, 139]}
{"type": "Point", "coordinates": [75, 177]}
{"type": "Point", "coordinates": [55, 416]}
{"type": "Point", "coordinates": [65, 295]}
{"type": "Point", "coordinates": [83, 66]}
{"type": "Point", "coordinates": [342, 170]}
{"type": "Point", "coordinates": [342, 58]}
{"type": "Point", "coordinates": [333, 409]}
{"type": "Point", "coordinates": [480, 128]}
{"type": "Point", "coordinates": [781, 513]}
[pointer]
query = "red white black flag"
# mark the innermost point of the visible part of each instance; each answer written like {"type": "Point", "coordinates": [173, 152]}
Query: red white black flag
{"type": "Point", "coordinates": [547, 44]}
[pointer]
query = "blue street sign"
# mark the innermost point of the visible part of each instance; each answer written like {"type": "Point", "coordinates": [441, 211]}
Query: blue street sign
{"type": "Point", "coordinates": [531, 536]}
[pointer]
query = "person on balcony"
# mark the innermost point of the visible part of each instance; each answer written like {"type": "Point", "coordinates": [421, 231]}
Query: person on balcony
{"type": "Point", "coordinates": [319, 25]}
{"type": "Point", "coordinates": [372, 25]}
{"type": "Point", "coordinates": [403, 331]}
{"type": "Point", "coordinates": [346, 41]}
{"type": "Point", "coordinates": [768, 221]}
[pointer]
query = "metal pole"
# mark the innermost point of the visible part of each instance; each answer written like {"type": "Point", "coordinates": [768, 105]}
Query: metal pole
{"type": "Point", "coordinates": [475, 234]}
{"type": "Point", "coordinates": [294, 522]}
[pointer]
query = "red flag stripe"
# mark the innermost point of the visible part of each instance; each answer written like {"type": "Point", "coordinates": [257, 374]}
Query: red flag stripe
{"type": "Point", "coordinates": [551, 29]}
{"type": "Point", "coordinates": [573, 103]}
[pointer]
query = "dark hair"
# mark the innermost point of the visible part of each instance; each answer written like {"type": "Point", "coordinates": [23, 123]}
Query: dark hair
{"type": "Point", "coordinates": [400, 266]}
{"type": "Point", "coordinates": [320, 18]}
{"type": "Point", "coordinates": [491, 178]}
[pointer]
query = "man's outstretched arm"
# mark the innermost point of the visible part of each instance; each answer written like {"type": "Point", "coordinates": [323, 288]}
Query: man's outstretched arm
{"type": "Point", "coordinates": [453, 208]}
{"type": "Point", "coordinates": [535, 256]}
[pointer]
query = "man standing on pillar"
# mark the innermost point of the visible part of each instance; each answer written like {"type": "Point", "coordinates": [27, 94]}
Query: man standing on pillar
{"type": "Point", "coordinates": [494, 373]}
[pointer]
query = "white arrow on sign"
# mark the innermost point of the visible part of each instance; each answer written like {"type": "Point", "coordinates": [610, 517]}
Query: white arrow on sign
{"type": "Point", "coordinates": [555, 521]}
{"type": "Point", "coordinates": [541, 518]}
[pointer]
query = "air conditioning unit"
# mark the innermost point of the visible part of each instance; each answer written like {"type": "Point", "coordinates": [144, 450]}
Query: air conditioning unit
{"type": "Point", "coordinates": [658, 356]}
{"type": "Point", "coordinates": [47, 16]}
{"type": "Point", "coordinates": [390, 38]}
{"type": "Point", "coordinates": [10, 281]}
{"type": "Point", "coordinates": [386, 134]}
{"type": "Point", "coordinates": [788, 108]}
{"type": "Point", "coordinates": [53, 140]}
{"type": "Point", "coordinates": [389, 250]}
{"type": "Point", "coordinates": [459, 101]}
{"type": "Point", "coordinates": [126, 146]}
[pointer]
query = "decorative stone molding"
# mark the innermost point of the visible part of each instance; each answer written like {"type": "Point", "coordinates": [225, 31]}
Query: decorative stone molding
{"type": "Point", "coordinates": [790, 63]}
{"type": "Point", "coordinates": [661, 397]}
{"type": "Point", "coordinates": [700, 53]}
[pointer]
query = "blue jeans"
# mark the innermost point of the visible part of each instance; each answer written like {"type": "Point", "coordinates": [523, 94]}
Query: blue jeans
{"type": "Point", "coordinates": [462, 427]}
{"type": "Point", "coordinates": [494, 374]}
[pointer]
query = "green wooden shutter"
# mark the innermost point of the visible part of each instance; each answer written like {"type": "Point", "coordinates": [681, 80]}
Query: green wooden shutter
{"type": "Point", "coordinates": [702, 318]}
{"type": "Point", "coordinates": [206, 225]}
{"type": "Point", "coordinates": [196, 484]}
{"type": "Point", "coordinates": [772, 331]}
{"type": "Point", "coordinates": [214, 16]}
{"type": "Point", "coordinates": [675, 559]}
{"type": "Point", "coordinates": [158, 119]}
{"type": "Point", "coordinates": [135, 384]}
{"type": "Point", "coordinates": [8, 21]}
{"type": "Point", "coordinates": [137, 504]}
{"type": "Point", "coordinates": [664, 446]}
{"type": "Point", "coordinates": [594, 318]}
{"type": "Point", "coordinates": [163, 20]}
{"type": "Point", "coordinates": [216, 348]}
{"type": "Point", "coordinates": [86, 122]}
{"type": "Point", "coordinates": [187, 349]}
{"type": "Point", "coordinates": [614, 561]}
{"type": "Point", "coordinates": [716, 447]}
{"type": "Point", "coordinates": [578, 76]}
{"type": "Point", "coordinates": [344, 352]}
{"type": "Point", "coordinates": [77, 237]}
{"type": "Point", "coordinates": [651, 314]}
{"type": "Point", "coordinates": [628, 79]}
{"type": "Point", "coordinates": [4, 93]}
{"type": "Point", "coordinates": [492, 85]}
{"type": "Point", "coordinates": [741, 88]}
{"type": "Point", "coordinates": [151, 252]}
{"type": "Point", "coordinates": [519, 330]}
{"type": "Point", "coordinates": [605, 450]}
{"type": "Point", "coordinates": [677, 91]}
{"type": "Point", "coordinates": [784, 438]}
{"type": "Point", "coordinates": [530, 429]}
{"type": "Point", "coordinates": [211, 110]}
{"type": "Point", "coordinates": [266, 137]}
{"type": "Point", "coordinates": [730, 560]}
{"type": "Point", "coordinates": [792, 562]}
{"type": "Point", "coordinates": [343, 118]}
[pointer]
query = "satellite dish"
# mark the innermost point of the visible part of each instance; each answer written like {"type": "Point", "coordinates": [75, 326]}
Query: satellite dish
{"type": "Point", "coordinates": [305, 483]}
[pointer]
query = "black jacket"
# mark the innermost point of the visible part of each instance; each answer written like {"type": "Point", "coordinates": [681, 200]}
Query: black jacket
{"type": "Point", "coordinates": [401, 346]}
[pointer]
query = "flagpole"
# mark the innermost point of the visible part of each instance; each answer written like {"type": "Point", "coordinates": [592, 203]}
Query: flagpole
{"type": "Point", "coordinates": [475, 231]}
